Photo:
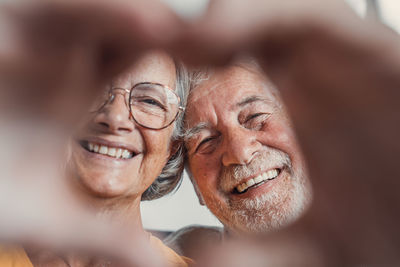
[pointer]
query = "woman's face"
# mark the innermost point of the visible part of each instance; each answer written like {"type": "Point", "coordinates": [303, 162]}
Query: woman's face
{"type": "Point", "coordinates": [144, 151]}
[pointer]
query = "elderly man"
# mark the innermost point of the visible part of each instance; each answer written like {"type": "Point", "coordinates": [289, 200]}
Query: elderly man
{"type": "Point", "coordinates": [242, 155]}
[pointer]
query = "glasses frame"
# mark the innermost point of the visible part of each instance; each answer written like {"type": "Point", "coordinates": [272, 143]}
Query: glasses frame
{"type": "Point", "coordinates": [111, 94]}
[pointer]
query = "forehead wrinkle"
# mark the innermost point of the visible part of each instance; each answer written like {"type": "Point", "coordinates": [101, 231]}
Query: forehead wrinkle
{"type": "Point", "coordinates": [230, 87]}
{"type": "Point", "coordinates": [204, 91]}
{"type": "Point", "coordinates": [235, 79]}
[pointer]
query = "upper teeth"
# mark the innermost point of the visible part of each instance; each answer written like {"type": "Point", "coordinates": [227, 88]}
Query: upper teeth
{"type": "Point", "coordinates": [110, 151]}
{"type": "Point", "coordinates": [269, 175]}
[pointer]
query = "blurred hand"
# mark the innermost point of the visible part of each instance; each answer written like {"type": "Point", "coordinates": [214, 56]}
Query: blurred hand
{"type": "Point", "coordinates": [338, 74]}
{"type": "Point", "coordinates": [56, 54]}
{"type": "Point", "coordinates": [54, 57]}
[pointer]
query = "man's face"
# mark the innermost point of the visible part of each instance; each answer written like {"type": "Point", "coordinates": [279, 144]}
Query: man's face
{"type": "Point", "coordinates": [242, 152]}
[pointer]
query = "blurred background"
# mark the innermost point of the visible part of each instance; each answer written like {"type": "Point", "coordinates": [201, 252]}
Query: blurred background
{"type": "Point", "coordinates": [182, 208]}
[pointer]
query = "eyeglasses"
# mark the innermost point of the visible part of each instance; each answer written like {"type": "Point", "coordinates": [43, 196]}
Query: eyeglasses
{"type": "Point", "coordinates": [151, 105]}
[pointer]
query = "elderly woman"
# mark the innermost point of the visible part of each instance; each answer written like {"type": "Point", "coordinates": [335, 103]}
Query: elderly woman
{"type": "Point", "coordinates": [128, 150]}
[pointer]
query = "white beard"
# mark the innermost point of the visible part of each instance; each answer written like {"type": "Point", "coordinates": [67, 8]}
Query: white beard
{"type": "Point", "coordinates": [270, 211]}
{"type": "Point", "coordinates": [282, 205]}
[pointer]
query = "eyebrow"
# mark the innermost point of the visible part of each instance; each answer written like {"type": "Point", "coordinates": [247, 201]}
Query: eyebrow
{"type": "Point", "coordinates": [195, 130]}
{"type": "Point", "coordinates": [252, 99]}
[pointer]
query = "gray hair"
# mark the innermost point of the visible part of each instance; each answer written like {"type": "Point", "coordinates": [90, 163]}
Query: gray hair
{"type": "Point", "coordinates": [170, 178]}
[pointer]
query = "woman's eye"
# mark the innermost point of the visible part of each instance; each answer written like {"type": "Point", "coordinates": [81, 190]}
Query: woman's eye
{"type": "Point", "coordinates": [256, 121]}
{"type": "Point", "coordinates": [151, 102]}
{"type": "Point", "coordinates": [207, 145]}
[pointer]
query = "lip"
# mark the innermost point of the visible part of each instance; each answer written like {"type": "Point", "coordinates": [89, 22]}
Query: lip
{"type": "Point", "coordinates": [261, 188]}
{"type": "Point", "coordinates": [115, 144]}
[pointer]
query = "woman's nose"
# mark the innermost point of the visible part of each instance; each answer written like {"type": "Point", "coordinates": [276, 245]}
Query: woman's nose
{"type": "Point", "coordinates": [115, 115]}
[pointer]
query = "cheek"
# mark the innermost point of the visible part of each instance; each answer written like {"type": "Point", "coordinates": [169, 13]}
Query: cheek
{"type": "Point", "coordinates": [157, 142]}
{"type": "Point", "coordinates": [206, 170]}
{"type": "Point", "coordinates": [282, 137]}
{"type": "Point", "coordinates": [157, 151]}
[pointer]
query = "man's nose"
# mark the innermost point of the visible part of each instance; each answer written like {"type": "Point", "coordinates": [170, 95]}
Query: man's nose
{"type": "Point", "coordinates": [115, 116]}
{"type": "Point", "coordinates": [239, 147]}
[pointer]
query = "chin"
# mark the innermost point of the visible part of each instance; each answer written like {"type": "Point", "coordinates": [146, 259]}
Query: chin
{"type": "Point", "coordinates": [265, 213]}
{"type": "Point", "coordinates": [105, 187]}
{"type": "Point", "coordinates": [263, 217]}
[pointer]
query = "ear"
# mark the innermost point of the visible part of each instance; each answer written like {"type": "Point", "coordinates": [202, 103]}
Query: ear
{"type": "Point", "coordinates": [199, 195]}
{"type": "Point", "coordinates": [196, 189]}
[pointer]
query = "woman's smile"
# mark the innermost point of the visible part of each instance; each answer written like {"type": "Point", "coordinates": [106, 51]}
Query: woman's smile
{"type": "Point", "coordinates": [111, 149]}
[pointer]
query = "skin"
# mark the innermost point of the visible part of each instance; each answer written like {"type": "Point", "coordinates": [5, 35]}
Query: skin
{"type": "Point", "coordinates": [227, 134]}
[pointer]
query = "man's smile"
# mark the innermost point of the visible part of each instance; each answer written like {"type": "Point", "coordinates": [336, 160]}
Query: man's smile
{"type": "Point", "coordinates": [257, 181]}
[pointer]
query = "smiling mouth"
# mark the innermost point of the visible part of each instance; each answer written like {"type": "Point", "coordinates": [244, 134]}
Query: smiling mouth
{"type": "Point", "coordinates": [110, 151]}
{"type": "Point", "coordinates": [257, 181]}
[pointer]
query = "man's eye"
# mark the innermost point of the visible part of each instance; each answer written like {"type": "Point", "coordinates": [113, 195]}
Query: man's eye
{"type": "Point", "coordinates": [253, 116]}
{"type": "Point", "coordinates": [207, 145]}
{"type": "Point", "coordinates": [256, 121]}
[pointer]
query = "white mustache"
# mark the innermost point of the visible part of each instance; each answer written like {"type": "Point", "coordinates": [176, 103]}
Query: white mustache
{"type": "Point", "coordinates": [262, 161]}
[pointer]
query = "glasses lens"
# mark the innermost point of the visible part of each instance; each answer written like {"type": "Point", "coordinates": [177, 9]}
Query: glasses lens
{"type": "Point", "coordinates": [153, 106]}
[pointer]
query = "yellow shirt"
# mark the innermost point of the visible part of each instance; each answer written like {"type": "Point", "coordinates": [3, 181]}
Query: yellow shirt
{"type": "Point", "coordinates": [172, 258]}
{"type": "Point", "coordinates": [16, 257]}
